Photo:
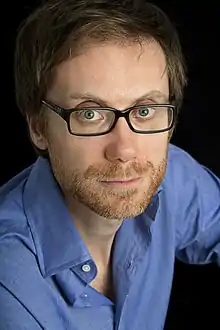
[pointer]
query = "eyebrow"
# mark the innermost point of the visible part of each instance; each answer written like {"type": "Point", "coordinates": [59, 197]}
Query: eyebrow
{"type": "Point", "coordinates": [154, 95]}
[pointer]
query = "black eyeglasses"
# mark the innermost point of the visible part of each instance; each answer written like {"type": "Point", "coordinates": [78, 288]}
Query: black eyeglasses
{"type": "Point", "coordinates": [95, 121]}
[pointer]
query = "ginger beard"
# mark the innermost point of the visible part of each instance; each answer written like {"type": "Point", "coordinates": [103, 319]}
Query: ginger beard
{"type": "Point", "coordinates": [109, 202]}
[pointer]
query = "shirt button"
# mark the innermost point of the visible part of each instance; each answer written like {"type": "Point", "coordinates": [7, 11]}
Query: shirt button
{"type": "Point", "coordinates": [86, 268]}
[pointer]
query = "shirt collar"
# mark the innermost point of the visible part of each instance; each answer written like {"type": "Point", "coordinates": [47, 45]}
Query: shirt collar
{"type": "Point", "coordinates": [152, 208]}
{"type": "Point", "coordinates": [58, 243]}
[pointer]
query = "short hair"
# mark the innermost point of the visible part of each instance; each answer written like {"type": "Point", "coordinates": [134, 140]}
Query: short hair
{"type": "Point", "coordinates": [58, 29]}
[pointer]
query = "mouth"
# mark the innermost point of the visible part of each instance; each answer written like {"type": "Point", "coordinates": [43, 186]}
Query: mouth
{"type": "Point", "coordinates": [122, 182]}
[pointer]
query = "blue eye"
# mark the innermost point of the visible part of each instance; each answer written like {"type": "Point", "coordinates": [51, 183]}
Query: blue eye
{"type": "Point", "coordinates": [143, 112]}
{"type": "Point", "coordinates": [88, 114]}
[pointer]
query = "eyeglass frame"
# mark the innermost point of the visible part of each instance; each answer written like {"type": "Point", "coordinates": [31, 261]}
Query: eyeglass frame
{"type": "Point", "coordinates": [66, 113]}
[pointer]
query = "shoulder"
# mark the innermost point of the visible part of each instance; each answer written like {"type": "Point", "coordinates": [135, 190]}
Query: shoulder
{"type": "Point", "coordinates": [16, 244]}
{"type": "Point", "coordinates": [187, 184]}
{"type": "Point", "coordinates": [181, 163]}
{"type": "Point", "coordinates": [11, 202]}
{"type": "Point", "coordinates": [191, 190]}
{"type": "Point", "coordinates": [183, 170]}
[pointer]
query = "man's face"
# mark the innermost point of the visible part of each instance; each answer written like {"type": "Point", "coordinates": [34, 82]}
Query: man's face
{"type": "Point", "coordinates": [115, 175]}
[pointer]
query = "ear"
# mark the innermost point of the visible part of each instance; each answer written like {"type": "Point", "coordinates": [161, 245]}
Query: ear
{"type": "Point", "coordinates": [37, 132]}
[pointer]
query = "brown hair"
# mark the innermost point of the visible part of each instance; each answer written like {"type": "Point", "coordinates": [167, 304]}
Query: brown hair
{"type": "Point", "coordinates": [58, 29]}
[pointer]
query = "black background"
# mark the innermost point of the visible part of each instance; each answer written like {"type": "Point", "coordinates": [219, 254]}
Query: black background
{"type": "Point", "coordinates": [195, 298]}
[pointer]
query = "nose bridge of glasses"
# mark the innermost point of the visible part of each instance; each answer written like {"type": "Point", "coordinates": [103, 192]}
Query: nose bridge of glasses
{"type": "Point", "coordinates": [125, 113]}
{"type": "Point", "coordinates": [118, 123]}
{"type": "Point", "coordinates": [122, 113]}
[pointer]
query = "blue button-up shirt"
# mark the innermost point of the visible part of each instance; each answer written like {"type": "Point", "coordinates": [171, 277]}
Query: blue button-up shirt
{"type": "Point", "coordinates": [45, 268]}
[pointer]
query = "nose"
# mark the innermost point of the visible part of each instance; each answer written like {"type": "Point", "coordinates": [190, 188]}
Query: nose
{"type": "Point", "coordinates": [122, 143]}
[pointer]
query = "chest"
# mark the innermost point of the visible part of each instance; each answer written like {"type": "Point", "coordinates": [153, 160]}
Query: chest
{"type": "Point", "coordinates": [103, 283]}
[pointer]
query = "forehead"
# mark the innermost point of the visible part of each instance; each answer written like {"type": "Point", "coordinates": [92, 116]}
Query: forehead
{"type": "Point", "coordinates": [114, 72]}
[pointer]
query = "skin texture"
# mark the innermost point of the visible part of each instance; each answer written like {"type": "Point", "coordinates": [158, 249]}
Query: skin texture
{"type": "Point", "coordinates": [118, 76]}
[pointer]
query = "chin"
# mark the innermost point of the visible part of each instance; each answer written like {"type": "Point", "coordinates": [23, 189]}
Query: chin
{"type": "Point", "coordinates": [121, 207]}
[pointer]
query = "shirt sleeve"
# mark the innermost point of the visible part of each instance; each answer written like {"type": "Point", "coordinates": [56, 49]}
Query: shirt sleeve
{"type": "Point", "coordinates": [13, 315]}
{"type": "Point", "coordinates": [198, 218]}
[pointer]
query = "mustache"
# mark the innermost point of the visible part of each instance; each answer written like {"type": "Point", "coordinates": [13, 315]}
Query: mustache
{"type": "Point", "coordinates": [107, 172]}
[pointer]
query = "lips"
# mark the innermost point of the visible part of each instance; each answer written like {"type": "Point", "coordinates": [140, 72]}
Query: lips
{"type": "Point", "coordinates": [121, 182]}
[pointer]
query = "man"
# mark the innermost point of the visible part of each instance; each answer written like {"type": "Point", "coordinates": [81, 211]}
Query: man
{"type": "Point", "coordinates": [90, 231]}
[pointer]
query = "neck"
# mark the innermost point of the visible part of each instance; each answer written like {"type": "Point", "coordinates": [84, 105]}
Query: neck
{"type": "Point", "coordinates": [97, 232]}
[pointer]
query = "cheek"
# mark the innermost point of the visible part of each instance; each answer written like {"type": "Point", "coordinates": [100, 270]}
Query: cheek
{"type": "Point", "coordinates": [87, 151]}
{"type": "Point", "coordinates": [61, 144]}
{"type": "Point", "coordinates": [74, 151]}
{"type": "Point", "coordinates": [154, 147]}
